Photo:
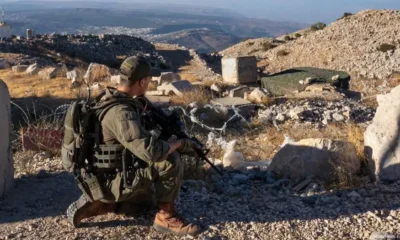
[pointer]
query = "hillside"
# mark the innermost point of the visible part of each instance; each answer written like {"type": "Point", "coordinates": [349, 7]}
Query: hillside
{"type": "Point", "coordinates": [350, 44]}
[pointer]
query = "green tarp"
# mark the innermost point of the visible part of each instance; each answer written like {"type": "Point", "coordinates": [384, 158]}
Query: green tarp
{"type": "Point", "coordinates": [288, 81]}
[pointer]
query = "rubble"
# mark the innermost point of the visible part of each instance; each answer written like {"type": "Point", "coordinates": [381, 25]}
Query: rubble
{"type": "Point", "coordinates": [318, 111]}
{"type": "Point", "coordinates": [239, 91]}
{"type": "Point", "coordinates": [258, 95]}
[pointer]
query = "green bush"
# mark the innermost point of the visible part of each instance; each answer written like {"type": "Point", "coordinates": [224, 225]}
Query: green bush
{"type": "Point", "coordinates": [267, 46]}
{"type": "Point", "coordinates": [318, 26]}
{"type": "Point", "coordinates": [297, 35]}
{"type": "Point", "coordinates": [281, 53]}
{"type": "Point", "coordinates": [386, 47]}
{"type": "Point", "coordinates": [287, 38]}
{"type": "Point", "coordinates": [345, 15]}
{"type": "Point", "coordinates": [250, 43]}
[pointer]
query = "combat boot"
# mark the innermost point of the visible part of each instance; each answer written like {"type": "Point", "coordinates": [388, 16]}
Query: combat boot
{"type": "Point", "coordinates": [83, 208]}
{"type": "Point", "coordinates": [168, 221]}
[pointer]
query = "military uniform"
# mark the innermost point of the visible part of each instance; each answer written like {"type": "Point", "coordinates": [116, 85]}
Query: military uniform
{"type": "Point", "coordinates": [122, 125]}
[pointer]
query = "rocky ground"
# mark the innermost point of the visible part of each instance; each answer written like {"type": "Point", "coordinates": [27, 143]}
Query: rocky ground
{"type": "Point", "coordinates": [241, 205]}
{"type": "Point", "coordinates": [350, 44]}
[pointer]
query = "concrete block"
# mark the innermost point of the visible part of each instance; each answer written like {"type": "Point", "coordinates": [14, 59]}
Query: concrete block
{"type": "Point", "coordinates": [167, 77]}
{"type": "Point", "coordinates": [239, 70]}
{"type": "Point", "coordinates": [178, 88]}
{"type": "Point", "coordinates": [238, 91]}
{"type": "Point", "coordinates": [20, 68]}
{"type": "Point", "coordinates": [6, 157]}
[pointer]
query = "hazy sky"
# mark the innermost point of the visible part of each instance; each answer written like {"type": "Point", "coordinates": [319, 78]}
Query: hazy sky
{"type": "Point", "coordinates": [294, 10]}
{"type": "Point", "coordinates": [307, 11]}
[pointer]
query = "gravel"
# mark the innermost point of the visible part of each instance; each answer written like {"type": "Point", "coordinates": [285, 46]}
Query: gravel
{"type": "Point", "coordinates": [241, 205]}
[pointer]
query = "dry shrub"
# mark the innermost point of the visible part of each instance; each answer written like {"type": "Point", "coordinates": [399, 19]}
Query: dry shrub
{"type": "Point", "coordinates": [282, 53]}
{"type": "Point", "coordinates": [386, 47]}
{"type": "Point", "coordinates": [199, 95]}
{"type": "Point", "coordinates": [356, 136]}
{"type": "Point", "coordinates": [267, 46]}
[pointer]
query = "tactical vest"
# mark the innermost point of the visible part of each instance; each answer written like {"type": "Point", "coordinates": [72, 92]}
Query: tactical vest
{"type": "Point", "coordinates": [83, 145]}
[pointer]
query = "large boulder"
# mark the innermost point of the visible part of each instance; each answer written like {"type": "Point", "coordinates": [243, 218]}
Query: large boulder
{"type": "Point", "coordinates": [325, 159]}
{"type": "Point", "coordinates": [97, 73]}
{"type": "Point", "coordinates": [6, 159]}
{"type": "Point", "coordinates": [48, 73]}
{"type": "Point", "coordinates": [382, 138]}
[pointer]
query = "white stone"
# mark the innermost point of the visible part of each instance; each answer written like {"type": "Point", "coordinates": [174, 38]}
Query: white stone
{"type": "Point", "coordinates": [95, 86]}
{"type": "Point", "coordinates": [258, 95]}
{"type": "Point", "coordinates": [72, 75]}
{"type": "Point", "coordinates": [382, 138]}
{"type": "Point", "coordinates": [6, 157]}
{"type": "Point", "coordinates": [32, 69]}
{"type": "Point", "coordinates": [320, 158]}
{"type": "Point", "coordinates": [215, 88]}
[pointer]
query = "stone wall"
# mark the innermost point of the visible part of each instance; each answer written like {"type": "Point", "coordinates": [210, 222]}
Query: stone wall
{"type": "Point", "coordinates": [6, 159]}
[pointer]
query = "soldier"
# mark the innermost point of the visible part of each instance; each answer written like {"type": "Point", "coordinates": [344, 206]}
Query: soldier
{"type": "Point", "coordinates": [121, 125]}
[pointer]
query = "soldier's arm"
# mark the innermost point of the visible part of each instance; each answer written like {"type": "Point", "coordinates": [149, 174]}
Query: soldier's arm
{"type": "Point", "coordinates": [124, 124]}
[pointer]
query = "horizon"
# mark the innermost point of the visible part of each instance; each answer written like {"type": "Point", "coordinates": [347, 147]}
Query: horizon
{"type": "Point", "coordinates": [308, 11]}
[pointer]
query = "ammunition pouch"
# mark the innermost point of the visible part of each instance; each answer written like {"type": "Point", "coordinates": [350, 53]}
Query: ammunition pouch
{"type": "Point", "coordinates": [108, 156]}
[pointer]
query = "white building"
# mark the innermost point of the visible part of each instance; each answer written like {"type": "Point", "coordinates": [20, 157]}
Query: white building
{"type": "Point", "coordinates": [5, 31]}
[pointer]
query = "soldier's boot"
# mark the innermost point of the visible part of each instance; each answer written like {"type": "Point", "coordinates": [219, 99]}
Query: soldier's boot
{"type": "Point", "coordinates": [168, 221]}
{"type": "Point", "coordinates": [83, 208]}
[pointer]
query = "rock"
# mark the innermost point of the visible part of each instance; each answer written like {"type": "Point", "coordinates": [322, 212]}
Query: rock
{"type": "Point", "coordinates": [178, 88]}
{"type": "Point", "coordinates": [280, 117]}
{"type": "Point", "coordinates": [116, 79]}
{"type": "Point", "coordinates": [338, 117]}
{"type": "Point", "coordinates": [309, 80]}
{"type": "Point", "coordinates": [6, 155]}
{"type": "Point", "coordinates": [42, 156]}
{"type": "Point", "coordinates": [19, 68]}
{"type": "Point", "coordinates": [258, 95]}
{"type": "Point", "coordinates": [315, 157]}
{"type": "Point", "coordinates": [216, 88]}
{"type": "Point", "coordinates": [238, 91]}
{"type": "Point", "coordinates": [354, 194]}
{"type": "Point", "coordinates": [167, 77]}
{"type": "Point", "coordinates": [95, 86]}
{"type": "Point", "coordinates": [32, 69]}
{"type": "Point", "coordinates": [335, 78]}
{"type": "Point", "coordinates": [382, 138]}
{"type": "Point", "coordinates": [97, 73]}
{"type": "Point", "coordinates": [48, 73]}
{"type": "Point", "coordinates": [72, 75]}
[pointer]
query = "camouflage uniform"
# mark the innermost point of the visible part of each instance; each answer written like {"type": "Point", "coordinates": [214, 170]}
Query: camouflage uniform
{"type": "Point", "coordinates": [121, 124]}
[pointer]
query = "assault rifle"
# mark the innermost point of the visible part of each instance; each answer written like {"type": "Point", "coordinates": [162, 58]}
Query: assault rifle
{"type": "Point", "coordinates": [172, 125]}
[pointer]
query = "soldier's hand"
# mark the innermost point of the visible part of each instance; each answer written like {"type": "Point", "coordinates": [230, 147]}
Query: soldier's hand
{"type": "Point", "coordinates": [188, 147]}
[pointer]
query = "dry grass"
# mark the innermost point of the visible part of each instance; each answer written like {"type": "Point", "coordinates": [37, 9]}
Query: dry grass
{"type": "Point", "coordinates": [23, 162]}
{"type": "Point", "coordinates": [198, 95]}
{"type": "Point", "coordinates": [24, 85]}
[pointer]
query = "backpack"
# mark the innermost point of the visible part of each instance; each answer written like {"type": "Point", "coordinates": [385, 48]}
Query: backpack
{"type": "Point", "coordinates": [83, 134]}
